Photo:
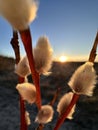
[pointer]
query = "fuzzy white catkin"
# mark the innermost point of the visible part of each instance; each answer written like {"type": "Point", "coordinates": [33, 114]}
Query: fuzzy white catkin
{"type": "Point", "coordinates": [84, 79]}
{"type": "Point", "coordinates": [22, 68]}
{"type": "Point", "coordinates": [27, 91]}
{"type": "Point", "coordinates": [45, 114]}
{"type": "Point", "coordinates": [43, 55]}
{"type": "Point", "coordinates": [27, 117]}
{"type": "Point", "coordinates": [64, 103]}
{"type": "Point", "coordinates": [19, 13]}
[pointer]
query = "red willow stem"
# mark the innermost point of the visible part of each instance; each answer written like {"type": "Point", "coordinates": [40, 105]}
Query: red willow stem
{"type": "Point", "coordinates": [15, 45]}
{"type": "Point", "coordinates": [67, 111]}
{"type": "Point", "coordinates": [23, 125]}
{"type": "Point", "coordinates": [27, 42]}
{"type": "Point", "coordinates": [93, 54]}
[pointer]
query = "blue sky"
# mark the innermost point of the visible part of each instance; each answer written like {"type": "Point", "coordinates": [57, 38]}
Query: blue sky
{"type": "Point", "coordinates": [70, 25]}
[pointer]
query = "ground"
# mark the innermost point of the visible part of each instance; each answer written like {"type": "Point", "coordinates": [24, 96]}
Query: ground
{"type": "Point", "coordinates": [86, 113]}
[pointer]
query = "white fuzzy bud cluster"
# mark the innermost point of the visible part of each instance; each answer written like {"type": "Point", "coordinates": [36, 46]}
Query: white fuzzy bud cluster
{"type": "Point", "coordinates": [45, 114]}
{"type": "Point", "coordinates": [19, 13]}
{"type": "Point", "coordinates": [43, 55]}
{"type": "Point", "coordinates": [22, 68]}
{"type": "Point", "coordinates": [64, 103]}
{"type": "Point", "coordinates": [83, 80]}
{"type": "Point", "coordinates": [27, 92]}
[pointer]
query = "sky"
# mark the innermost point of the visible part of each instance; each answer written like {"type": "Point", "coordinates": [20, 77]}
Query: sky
{"type": "Point", "coordinates": [70, 25]}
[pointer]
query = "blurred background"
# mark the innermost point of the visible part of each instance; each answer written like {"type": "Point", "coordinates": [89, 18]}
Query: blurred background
{"type": "Point", "coordinates": [86, 112]}
{"type": "Point", "coordinates": [71, 26]}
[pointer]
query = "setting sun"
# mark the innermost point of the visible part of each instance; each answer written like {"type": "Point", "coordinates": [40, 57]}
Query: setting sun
{"type": "Point", "coordinates": [63, 58]}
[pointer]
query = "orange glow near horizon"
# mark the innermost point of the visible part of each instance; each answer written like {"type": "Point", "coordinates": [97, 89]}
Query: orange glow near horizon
{"type": "Point", "coordinates": [63, 58]}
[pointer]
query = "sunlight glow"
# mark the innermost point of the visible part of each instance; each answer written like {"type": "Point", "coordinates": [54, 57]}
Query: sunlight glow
{"type": "Point", "coordinates": [63, 58]}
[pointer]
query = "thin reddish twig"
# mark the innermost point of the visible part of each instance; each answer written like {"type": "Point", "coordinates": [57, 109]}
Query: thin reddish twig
{"type": "Point", "coordinates": [23, 125]}
{"type": "Point", "coordinates": [15, 44]}
{"type": "Point", "coordinates": [55, 96]}
{"type": "Point", "coordinates": [67, 111]}
{"type": "Point", "coordinates": [93, 54]}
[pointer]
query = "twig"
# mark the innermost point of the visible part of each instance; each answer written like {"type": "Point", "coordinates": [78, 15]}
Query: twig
{"type": "Point", "coordinates": [93, 51]}
{"type": "Point", "coordinates": [23, 125]}
{"type": "Point", "coordinates": [67, 111]}
{"type": "Point", "coordinates": [15, 44]}
{"type": "Point", "coordinates": [27, 42]}
{"type": "Point", "coordinates": [55, 96]}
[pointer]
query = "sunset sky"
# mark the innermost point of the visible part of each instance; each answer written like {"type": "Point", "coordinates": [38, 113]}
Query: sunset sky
{"type": "Point", "coordinates": [70, 25]}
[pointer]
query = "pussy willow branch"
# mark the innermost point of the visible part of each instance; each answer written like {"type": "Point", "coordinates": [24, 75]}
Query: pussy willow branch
{"type": "Point", "coordinates": [75, 96]}
{"type": "Point", "coordinates": [27, 42]}
{"type": "Point", "coordinates": [15, 44]}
